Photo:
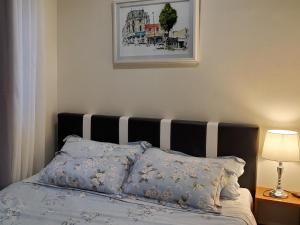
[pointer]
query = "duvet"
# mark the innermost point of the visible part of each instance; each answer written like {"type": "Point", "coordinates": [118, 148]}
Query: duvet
{"type": "Point", "coordinates": [29, 203]}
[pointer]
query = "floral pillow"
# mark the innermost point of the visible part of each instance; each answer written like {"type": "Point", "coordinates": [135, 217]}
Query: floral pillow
{"type": "Point", "coordinates": [79, 147]}
{"type": "Point", "coordinates": [188, 181]}
{"type": "Point", "coordinates": [233, 164]}
{"type": "Point", "coordinates": [230, 191]}
{"type": "Point", "coordinates": [234, 168]}
{"type": "Point", "coordinates": [91, 165]}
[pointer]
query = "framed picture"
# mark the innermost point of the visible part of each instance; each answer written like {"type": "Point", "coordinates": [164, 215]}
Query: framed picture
{"type": "Point", "coordinates": [156, 32]}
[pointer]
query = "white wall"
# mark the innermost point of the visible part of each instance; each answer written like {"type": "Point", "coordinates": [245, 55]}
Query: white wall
{"type": "Point", "coordinates": [249, 70]}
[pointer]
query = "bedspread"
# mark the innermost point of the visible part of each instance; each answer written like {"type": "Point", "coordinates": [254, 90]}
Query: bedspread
{"type": "Point", "coordinates": [26, 203]}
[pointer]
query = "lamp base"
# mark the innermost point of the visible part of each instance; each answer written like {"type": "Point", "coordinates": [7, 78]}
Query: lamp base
{"type": "Point", "coordinates": [278, 193]}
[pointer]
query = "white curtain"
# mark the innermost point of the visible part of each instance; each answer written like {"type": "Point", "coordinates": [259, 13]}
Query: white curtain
{"type": "Point", "coordinates": [28, 114]}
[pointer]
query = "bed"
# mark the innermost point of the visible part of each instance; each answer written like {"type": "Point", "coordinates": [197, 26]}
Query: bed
{"type": "Point", "coordinates": [29, 202]}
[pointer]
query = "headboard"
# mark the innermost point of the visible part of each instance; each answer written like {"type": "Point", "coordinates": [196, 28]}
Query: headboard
{"type": "Point", "coordinates": [202, 139]}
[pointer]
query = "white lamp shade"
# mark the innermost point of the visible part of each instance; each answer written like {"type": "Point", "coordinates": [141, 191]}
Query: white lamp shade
{"type": "Point", "coordinates": [281, 145]}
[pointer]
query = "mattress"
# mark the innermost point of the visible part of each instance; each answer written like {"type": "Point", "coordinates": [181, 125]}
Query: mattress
{"type": "Point", "coordinates": [29, 203]}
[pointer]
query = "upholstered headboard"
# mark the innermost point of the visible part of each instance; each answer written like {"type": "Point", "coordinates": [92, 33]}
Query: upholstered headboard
{"type": "Point", "coordinates": [202, 139]}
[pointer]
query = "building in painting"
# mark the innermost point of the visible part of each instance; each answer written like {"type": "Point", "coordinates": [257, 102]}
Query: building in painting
{"type": "Point", "coordinates": [134, 30]}
{"type": "Point", "coordinates": [154, 34]}
{"type": "Point", "coordinates": [178, 39]}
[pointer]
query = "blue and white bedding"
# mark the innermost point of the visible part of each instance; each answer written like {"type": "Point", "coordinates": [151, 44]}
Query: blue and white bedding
{"type": "Point", "coordinates": [93, 183]}
{"type": "Point", "coordinates": [29, 203]}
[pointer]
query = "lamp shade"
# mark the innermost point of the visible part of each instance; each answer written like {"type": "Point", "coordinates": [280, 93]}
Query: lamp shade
{"type": "Point", "coordinates": [281, 145]}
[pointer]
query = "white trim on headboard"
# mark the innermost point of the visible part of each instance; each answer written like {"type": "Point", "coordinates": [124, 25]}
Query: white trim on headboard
{"type": "Point", "coordinates": [86, 126]}
{"type": "Point", "coordinates": [165, 134]}
{"type": "Point", "coordinates": [212, 139]}
{"type": "Point", "coordinates": [123, 130]}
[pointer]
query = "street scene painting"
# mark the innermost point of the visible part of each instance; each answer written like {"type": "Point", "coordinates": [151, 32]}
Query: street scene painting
{"type": "Point", "coordinates": [155, 29]}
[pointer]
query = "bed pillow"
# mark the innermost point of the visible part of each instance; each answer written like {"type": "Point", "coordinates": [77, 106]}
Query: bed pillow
{"type": "Point", "coordinates": [91, 165]}
{"type": "Point", "coordinates": [233, 164]}
{"type": "Point", "coordinates": [188, 181]}
{"type": "Point", "coordinates": [230, 191]}
{"type": "Point", "coordinates": [78, 147]}
{"type": "Point", "coordinates": [234, 168]}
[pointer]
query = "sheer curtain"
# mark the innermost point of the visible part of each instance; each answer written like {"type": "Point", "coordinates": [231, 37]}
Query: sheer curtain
{"type": "Point", "coordinates": [25, 112]}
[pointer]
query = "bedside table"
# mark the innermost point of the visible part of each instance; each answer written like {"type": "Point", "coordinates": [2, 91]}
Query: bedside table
{"type": "Point", "coordinates": [278, 208]}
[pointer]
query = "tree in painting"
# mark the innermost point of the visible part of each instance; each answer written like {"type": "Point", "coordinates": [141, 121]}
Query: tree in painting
{"type": "Point", "coordinates": [167, 18]}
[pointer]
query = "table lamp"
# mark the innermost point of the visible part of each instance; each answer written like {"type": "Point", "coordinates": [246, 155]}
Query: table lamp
{"type": "Point", "coordinates": [281, 146]}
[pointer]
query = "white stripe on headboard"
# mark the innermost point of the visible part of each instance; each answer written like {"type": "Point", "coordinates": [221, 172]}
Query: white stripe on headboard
{"type": "Point", "coordinates": [212, 139]}
{"type": "Point", "coordinates": [123, 130]}
{"type": "Point", "coordinates": [165, 134]}
{"type": "Point", "coordinates": [86, 126]}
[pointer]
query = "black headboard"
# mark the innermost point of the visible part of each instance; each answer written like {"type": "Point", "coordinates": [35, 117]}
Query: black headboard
{"type": "Point", "coordinates": [189, 137]}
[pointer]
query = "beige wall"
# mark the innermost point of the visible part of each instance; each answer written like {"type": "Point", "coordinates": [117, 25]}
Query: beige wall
{"type": "Point", "coordinates": [249, 70]}
{"type": "Point", "coordinates": [50, 70]}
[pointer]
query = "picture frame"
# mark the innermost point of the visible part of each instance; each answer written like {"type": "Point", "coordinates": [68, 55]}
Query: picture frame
{"type": "Point", "coordinates": [150, 33]}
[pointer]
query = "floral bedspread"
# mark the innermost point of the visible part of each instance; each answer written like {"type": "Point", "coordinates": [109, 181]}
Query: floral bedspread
{"type": "Point", "coordinates": [26, 203]}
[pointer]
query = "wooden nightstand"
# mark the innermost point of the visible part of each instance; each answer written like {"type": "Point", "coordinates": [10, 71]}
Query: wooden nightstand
{"type": "Point", "coordinates": [283, 205]}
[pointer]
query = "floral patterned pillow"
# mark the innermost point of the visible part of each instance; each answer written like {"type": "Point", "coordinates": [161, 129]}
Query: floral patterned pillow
{"type": "Point", "coordinates": [92, 165]}
{"type": "Point", "coordinates": [78, 147]}
{"type": "Point", "coordinates": [230, 191]}
{"type": "Point", "coordinates": [188, 181]}
{"type": "Point", "coordinates": [234, 168]}
{"type": "Point", "coordinates": [234, 165]}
